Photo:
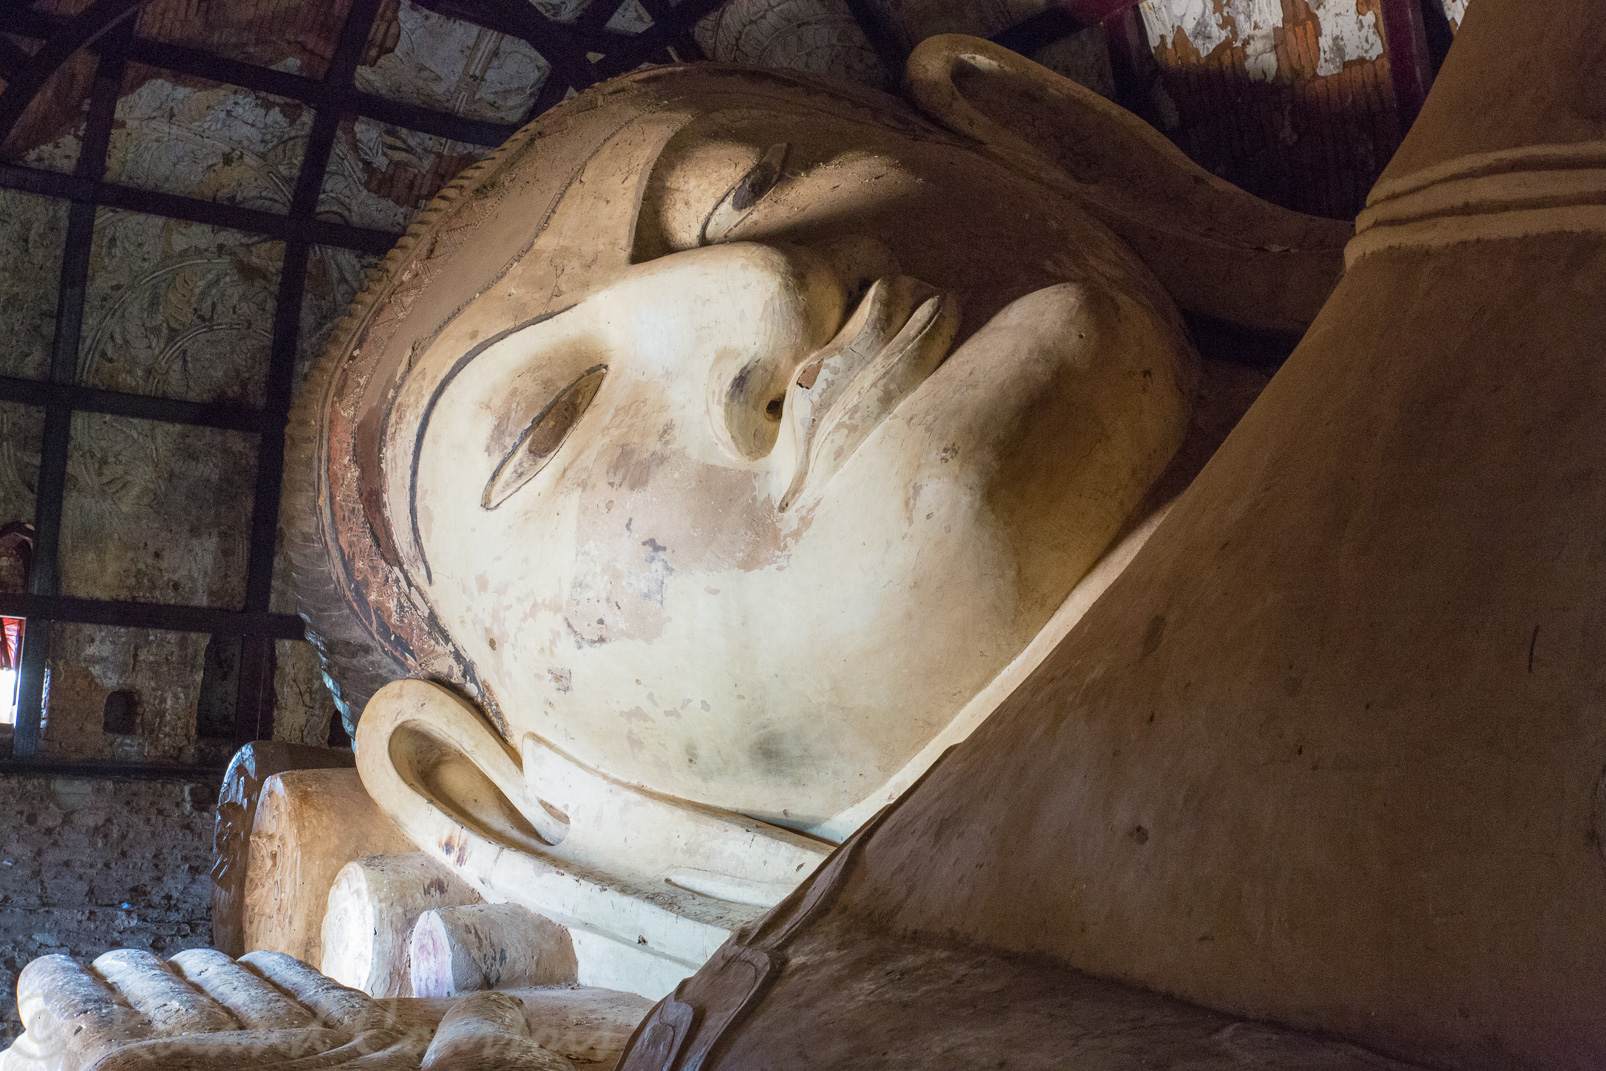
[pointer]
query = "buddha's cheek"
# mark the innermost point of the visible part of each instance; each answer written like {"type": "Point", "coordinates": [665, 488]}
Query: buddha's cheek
{"type": "Point", "coordinates": [651, 514]}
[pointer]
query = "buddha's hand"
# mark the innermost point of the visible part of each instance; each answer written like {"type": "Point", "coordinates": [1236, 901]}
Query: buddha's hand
{"type": "Point", "coordinates": [202, 1011]}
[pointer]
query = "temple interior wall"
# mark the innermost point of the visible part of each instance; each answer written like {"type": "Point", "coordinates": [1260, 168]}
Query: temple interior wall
{"type": "Point", "coordinates": [92, 864]}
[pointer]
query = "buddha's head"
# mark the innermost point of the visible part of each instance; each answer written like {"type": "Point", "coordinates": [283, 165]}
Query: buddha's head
{"type": "Point", "coordinates": [729, 433]}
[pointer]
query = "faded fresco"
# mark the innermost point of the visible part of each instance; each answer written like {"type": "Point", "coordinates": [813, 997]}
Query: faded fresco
{"type": "Point", "coordinates": [822, 37]}
{"type": "Point", "coordinates": [161, 512]}
{"type": "Point", "coordinates": [817, 36]}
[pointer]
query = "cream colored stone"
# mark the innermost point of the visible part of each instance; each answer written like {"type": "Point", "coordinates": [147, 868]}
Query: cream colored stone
{"type": "Point", "coordinates": [243, 782]}
{"type": "Point", "coordinates": [1330, 752]}
{"type": "Point", "coordinates": [373, 905]}
{"type": "Point", "coordinates": [309, 824]}
{"type": "Point", "coordinates": [754, 477]}
{"type": "Point", "coordinates": [203, 1011]}
{"type": "Point", "coordinates": [457, 950]}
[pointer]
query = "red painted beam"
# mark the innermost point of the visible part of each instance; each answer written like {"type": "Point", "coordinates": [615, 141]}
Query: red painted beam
{"type": "Point", "coordinates": [1410, 66]}
{"type": "Point", "coordinates": [1058, 21]}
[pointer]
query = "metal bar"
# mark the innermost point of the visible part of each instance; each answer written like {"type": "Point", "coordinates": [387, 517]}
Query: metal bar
{"type": "Point", "coordinates": [139, 406]}
{"type": "Point", "coordinates": [13, 60]}
{"type": "Point", "coordinates": [1409, 64]}
{"type": "Point", "coordinates": [191, 61]}
{"type": "Point", "coordinates": [26, 22]}
{"type": "Point", "coordinates": [885, 38]}
{"type": "Point", "coordinates": [634, 51]}
{"type": "Point", "coordinates": [112, 770]}
{"type": "Point", "coordinates": [82, 29]}
{"type": "Point", "coordinates": [561, 46]}
{"type": "Point", "coordinates": [1058, 21]}
{"type": "Point", "coordinates": [657, 10]}
{"type": "Point", "coordinates": [595, 16]}
{"type": "Point", "coordinates": [195, 210]}
{"type": "Point", "coordinates": [1132, 63]}
{"type": "Point", "coordinates": [254, 697]}
{"type": "Point", "coordinates": [254, 700]}
{"type": "Point", "coordinates": [51, 485]}
{"type": "Point", "coordinates": [549, 95]}
{"type": "Point", "coordinates": [270, 454]}
{"type": "Point", "coordinates": [72, 610]}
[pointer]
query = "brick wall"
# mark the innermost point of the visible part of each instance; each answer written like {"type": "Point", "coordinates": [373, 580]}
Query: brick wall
{"type": "Point", "coordinates": [91, 865]}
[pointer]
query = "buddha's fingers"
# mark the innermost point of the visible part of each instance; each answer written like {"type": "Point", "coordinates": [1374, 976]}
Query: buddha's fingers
{"type": "Point", "coordinates": [255, 1002]}
{"type": "Point", "coordinates": [336, 1005]}
{"type": "Point", "coordinates": [488, 1031]}
{"type": "Point", "coordinates": [172, 1005]}
{"type": "Point", "coordinates": [70, 1018]}
{"type": "Point", "coordinates": [230, 1050]}
{"type": "Point", "coordinates": [402, 1054]}
{"type": "Point", "coordinates": [379, 1050]}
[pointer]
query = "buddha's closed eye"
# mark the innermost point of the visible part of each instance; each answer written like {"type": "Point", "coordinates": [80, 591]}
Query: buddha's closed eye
{"type": "Point", "coordinates": [758, 181]}
{"type": "Point", "coordinates": [543, 437]}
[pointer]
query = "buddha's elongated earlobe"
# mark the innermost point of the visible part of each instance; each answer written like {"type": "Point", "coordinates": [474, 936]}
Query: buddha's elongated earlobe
{"type": "Point", "coordinates": [1220, 251]}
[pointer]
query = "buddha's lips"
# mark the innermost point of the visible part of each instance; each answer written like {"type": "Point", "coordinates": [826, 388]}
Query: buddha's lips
{"type": "Point", "coordinates": [892, 342]}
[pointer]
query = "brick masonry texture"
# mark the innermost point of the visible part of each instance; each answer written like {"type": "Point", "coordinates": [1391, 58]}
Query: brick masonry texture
{"type": "Point", "coordinates": [91, 865]}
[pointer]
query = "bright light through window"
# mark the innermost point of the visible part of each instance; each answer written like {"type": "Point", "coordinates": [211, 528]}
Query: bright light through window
{"type": "Point", "coordinates": [8, 696]}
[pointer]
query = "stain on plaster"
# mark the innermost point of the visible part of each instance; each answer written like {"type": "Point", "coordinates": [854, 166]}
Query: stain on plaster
{"type": "Point", "coordinates": [178, 310]}
{"type": "Point", "coordinates": [156, 512]}
{"type": "Point", "coordinates": [1345, 32]}
{"type": "Point", "coordinates": [380, 175]}
{"type": "Point", "coordinates": [1209, 24]}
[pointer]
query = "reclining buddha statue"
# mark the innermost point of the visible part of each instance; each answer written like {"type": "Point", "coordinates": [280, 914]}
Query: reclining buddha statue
{"type": "Point", "coordinates": [712, 458]}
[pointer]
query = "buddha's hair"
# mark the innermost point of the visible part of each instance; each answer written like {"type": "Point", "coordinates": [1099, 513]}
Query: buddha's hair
{"type": "Point", "coordinates": [368, 622]}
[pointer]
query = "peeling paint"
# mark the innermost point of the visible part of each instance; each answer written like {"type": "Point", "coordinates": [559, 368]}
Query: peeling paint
{"type": "Point", "coordinates": [1346, 34]}
{"type": "Point", "coordinates": [1207, 26]}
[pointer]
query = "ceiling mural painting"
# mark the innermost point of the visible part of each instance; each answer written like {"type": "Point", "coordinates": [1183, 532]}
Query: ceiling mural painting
{"type": "Point", "coordinates": [455, 67]}
{"type": "Point", "coordinates": [33, 229]}
{"type": "Point", "coordinates": [817, 36]}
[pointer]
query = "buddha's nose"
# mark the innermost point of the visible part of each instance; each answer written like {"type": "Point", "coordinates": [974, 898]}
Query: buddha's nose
{"type": "Point", "coordinates": [772, 310]}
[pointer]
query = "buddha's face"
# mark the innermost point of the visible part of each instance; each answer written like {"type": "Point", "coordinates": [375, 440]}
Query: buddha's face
{"type": "Point", "coordinates": [750, 520]}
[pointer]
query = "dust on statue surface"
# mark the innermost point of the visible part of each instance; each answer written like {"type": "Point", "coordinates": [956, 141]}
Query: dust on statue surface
{"type": "Point", "coordinates": [728, 440]}
{"type": "Point", "coordinates": [728, 445]}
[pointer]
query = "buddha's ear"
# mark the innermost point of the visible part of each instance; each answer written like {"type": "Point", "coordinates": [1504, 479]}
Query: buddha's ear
{"type": "Point", "coordinates": [1221, 252]}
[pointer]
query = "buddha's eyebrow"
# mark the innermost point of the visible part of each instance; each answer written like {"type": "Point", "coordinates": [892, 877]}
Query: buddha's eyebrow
{"type": "Point", "coordinates": [429, 411]}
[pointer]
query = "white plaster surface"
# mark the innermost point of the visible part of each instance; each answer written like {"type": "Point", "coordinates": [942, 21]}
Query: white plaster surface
{"type": "Point", "coordinates": [1346, 34]}
{"type": "Point", "coordinates": [1209, 24]}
